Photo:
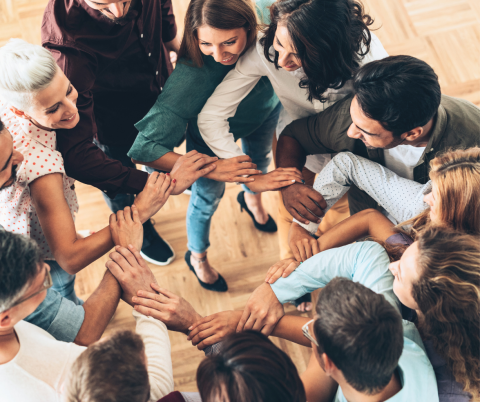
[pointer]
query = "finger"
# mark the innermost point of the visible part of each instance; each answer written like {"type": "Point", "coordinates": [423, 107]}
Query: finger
{"type": "Point", "coordinates": [153, 304]}
{"type": "Point", "coordinates": [113, 221]}
{"type": "Point", "coordinates": [149, 312]}
{"type": "Point", "coordinates": [202, 159]}
{"type": "Point", "coordinates": [297, 216]}
{"type": "Point", "coordinates": [285, 183]}
{"type": "Point", "coordinates": [120, 216]}
{"type": "Point", "coordinates": [211, 340]}
{"type": "Point", "coordinates": [301, 249]}
{"type": "Point", "coordinates": [312, 207]}
{"type": "Point", "coordinates": [306, 215]}
{"type": "Point", "coordinates": [153, 296]}
{"type": "Point", "coordinates": [127, 213]}
{"type": "Point", "coordinates": [242, 158]}
{"type": "Point", "coordinates": [291, 267]}
{"type": "Point", "coordinates": [205, 171]}
{"type": "Point", "coordinates": [191, 153]}
{"type": "Point", "coordinates": [267, 329]}
{"type": "Point", "coordinates": [165, 184]}
{"type": "Point", "coordinates": [115, 269]}
{"type": "Point", "coordinates": [296, 253]}
{"type": "Point", "coordinates": [135, 214]}
{"type": "Point", "coordinates": [276, 275]}
{"type": "Point", "coordinates": [152, 178]}
{"type": "Point", "coordinates": [137, 255]}
{"type": "Point", "coordinates": [202, 335]}
{"type": "Point", "coordinates": [250, 323]}
{"type": "Point", "coordinates": [258, 325]}
{"type": "Point", "coordinates": [165, 292]}
{"type": "Point", "coordinates": [126, 254]}
{"type": "Point", "coordinates": [243, 319]}
{"type": "Point", "coordinates": [308, 250]}
{"type": "Point", "coordinates": [315, 247]}
{"type": "Point", "coordinates": [318, 199]}
{"type": "Point", "coordinates": [204, 320]}
{"type": "Point", "coordinates": [160, 180]}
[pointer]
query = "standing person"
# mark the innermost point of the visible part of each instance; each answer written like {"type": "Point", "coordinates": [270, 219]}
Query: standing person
{"type": "Point", "coordinates": [116, 54]}
{"type": "Point", "coordinates": [217, 34]}
{"type": "Point", "coordinates": [309, 53]}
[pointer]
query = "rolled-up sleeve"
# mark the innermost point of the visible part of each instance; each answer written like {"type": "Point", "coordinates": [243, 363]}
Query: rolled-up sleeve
{"type": "Point", "coordinates": [59, 316]}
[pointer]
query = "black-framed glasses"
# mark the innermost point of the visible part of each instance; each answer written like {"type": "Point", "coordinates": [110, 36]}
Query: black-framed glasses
{"type": "Point", "coordinates": [47, 284]}
{"type": "Point", "coordinates": [307, 335]}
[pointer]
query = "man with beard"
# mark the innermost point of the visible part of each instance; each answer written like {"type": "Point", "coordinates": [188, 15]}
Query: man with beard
{"type": "Point", "coordinates": [116, 54]}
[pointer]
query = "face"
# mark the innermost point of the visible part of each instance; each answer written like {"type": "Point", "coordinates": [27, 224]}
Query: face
{"type": "Point", "coordinates": [370, 131]}
{"type": "Point", "coordinates": [224, 46]}
{"type": "Point", "coordinates": [55, 106]}
{"type": "Point", "coordinates": [114, 10]}
{"type": "Point", "coordinates": [432, 199]}
{"type": "Point", "coordinates": [287, 56]}
{"type": "Point", "coordinates": [17, 313]}
{"type": "Point", "coordinates": [10, 159]}
{"type": "Point", "coordinates": [406, 274]}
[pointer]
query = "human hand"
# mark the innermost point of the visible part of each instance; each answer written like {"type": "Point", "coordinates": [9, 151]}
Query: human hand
{"type": "Point", "coordinates": [234, 169]}
{"type": "Point", "coordinates": [212, 329]}
{"type": "Point", "coordinates": [173, 310]}
{"type": "Point", "coordinates": [274, 180]}
{"type": "Point", "coordinates": [154, 195]}
{"type": "Point", "coordinates": [302, 244]}
{"type": "Point", "coordinates": [303, 202]}
{"type": "Point", "coordinates": [262, 312]}
{"type": "Point", "coordinates": [190, 167]}
{"type": "Point", "coordinates": [282, 269]}
{"type": "Point", "coordinates": [131, 271]}
{"type": "Point", "coordinates": [126, 228]}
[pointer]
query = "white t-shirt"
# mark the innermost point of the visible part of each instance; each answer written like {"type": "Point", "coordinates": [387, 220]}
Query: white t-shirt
{"type": "Point", "coordinates": [402, 159]}
{"type": "Point", "coordinates": [38, 372]}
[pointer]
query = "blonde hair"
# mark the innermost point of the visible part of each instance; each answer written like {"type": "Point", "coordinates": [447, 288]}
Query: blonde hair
{"type": "Point", "coordinates": [448, 295]}
{"type": "Point", "coordinates": [456, 174]}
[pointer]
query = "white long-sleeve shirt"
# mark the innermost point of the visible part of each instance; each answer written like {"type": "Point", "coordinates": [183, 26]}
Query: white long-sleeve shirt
{"type": "Point", "coordinates": [401, 198]}
{"type": "Point", "coordinates": [213, 119]}
{"type": "Point", "coordinates": [40, 368]}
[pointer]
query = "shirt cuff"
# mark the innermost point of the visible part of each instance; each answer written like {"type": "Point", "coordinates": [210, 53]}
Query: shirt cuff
{"type": "Point", "coordinates": [135, 183]}
{"type": "Point", "coordinates": [67, 322]}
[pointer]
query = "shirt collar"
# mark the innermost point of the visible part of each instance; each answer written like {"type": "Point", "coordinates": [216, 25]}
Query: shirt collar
{"type": "Point", "coordinates": [46, 138]}
{"type": "Point", "coordinates": [438, 129]}
{"type": "Point", "coordinates": [105, 24]}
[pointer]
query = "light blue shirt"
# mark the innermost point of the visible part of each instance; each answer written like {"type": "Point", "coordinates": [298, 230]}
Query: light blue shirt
{"type": "Point", "coordinates": [366, 263]}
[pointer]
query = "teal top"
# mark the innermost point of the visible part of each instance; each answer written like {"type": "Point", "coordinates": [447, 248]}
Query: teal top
{"type": "Point", "coordinates": [183, 97]}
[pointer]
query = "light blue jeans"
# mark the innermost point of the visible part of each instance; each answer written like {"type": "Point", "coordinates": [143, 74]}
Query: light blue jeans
{"type": "Point", "coordinates": [63, 282]}
{"type": "Point", "coordinates": [207, 193]}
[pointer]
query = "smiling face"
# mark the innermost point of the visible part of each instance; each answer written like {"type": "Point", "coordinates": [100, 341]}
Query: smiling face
{"type": "Point", "coordinates": [287, 56]}
{"type": "Point", "coordinates": [370, 131]}
{"type": "Point", "coordinates": [114, 10]}
{"type": "Point", "coordinates": [9, 160]}
{"type": "Point", "coordinates": [433, 200]}
{"type": "Point", "coordinates": [225, 46]}
{"type": "Point", "coordinates": [406, 274]}
{"type": "Point", "coordinates": [55, 106]}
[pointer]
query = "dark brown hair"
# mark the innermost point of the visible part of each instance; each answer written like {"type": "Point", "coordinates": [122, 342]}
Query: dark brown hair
{"type": "Point", "coordinates": [361, 332]}
{"type": "Point", "coordinates": [329, 36]}
{"type": "Point", "coordinates": [448, 295]}
{"type": "Point", "coordinates": [112, 370]}
{"type": "Point", "coordinates": [249, 368]}
{"type": "Point", "coordinates": [218, 14]}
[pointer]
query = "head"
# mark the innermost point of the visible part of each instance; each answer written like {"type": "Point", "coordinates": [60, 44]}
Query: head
{"type": "Point", "coordinates": [218, 28]}
{"type": "Point", "coordinates": [114, 10]}
{"type": "Point", "coordinates": [35, 88]}
{"type": "Point", "coordinates": [455, 197]}
{"type": "Point", "coordinates": [111, 370]}
{"type": "Point", "coordinates": [325, 37]}
{"type": "Point", "coordinates": [439, 277]}
{"type": "Point", "coordinates": [10, 158]}
{"type": "Point", "coordinates": [248, 369]}
{"type": "Point", "coordinates": [25, 278]}
{"type": "Point", "coordinates": [395, 100]}
{"type": "Point", "coordinates": [360, 336]}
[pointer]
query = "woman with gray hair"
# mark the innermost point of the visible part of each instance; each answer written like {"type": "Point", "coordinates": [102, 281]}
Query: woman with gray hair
{"type": "Point", "coordinates": [37, 198]}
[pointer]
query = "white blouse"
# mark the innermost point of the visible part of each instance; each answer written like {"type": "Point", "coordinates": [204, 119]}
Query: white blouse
{"type": "Point", "coordinates": [237, 84]}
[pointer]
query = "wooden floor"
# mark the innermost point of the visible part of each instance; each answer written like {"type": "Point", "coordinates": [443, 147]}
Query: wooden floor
{"type": "Point", "coordinates": [444, 33]}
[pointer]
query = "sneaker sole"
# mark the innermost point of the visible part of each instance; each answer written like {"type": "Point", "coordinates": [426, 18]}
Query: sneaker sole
{"type": "Point", "coordinates": [155, 262]}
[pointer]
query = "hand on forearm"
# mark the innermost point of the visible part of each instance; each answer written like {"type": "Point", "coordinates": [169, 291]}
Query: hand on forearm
{"type": "Point", "coordinates": [304, 203]}
{"type": "Point", "coordinates": [99, 309]}
{"type": "Point", "coordinates": [290, 153]}
{"type": "Point", "coordinates": [126, 228]}
{"type": "Point", "coordinates": [276, 179]}
{"type": "Point", "coordinates": [302, 244]}
{"type": "Point", "coordinates": [234, 170]}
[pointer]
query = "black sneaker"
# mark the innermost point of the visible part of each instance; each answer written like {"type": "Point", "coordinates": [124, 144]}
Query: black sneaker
{"type": "Point", "coordinates": [154, 249]}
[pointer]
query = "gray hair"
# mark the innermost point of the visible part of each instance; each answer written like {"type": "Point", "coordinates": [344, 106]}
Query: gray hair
{"type": "Point", "coordinates": [25, 69]}
{"type": "Point", "coordinates": [20, 257]}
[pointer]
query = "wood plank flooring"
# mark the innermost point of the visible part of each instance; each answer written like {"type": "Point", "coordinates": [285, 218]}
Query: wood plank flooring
{"type": "Point", "coordinates": [444, 33]}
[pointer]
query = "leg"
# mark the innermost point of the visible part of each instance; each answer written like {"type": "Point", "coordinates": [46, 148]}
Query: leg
{"type": "Point", "coordinates": [258, 146]}
{"type": "Point", "coordinates": [206, 195]}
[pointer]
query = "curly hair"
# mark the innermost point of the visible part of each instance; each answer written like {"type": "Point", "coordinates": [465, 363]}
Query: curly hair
{"type": "Point", "coordinates": [330, 38]}
{"type": "Point", "coordinates": [456, 175]}
{"type": "Point", "coordinates": [448, 295]}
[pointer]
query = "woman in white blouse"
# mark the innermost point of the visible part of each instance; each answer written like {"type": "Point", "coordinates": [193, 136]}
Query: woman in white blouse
{"type": "Point", "coordinates": [309, 52]}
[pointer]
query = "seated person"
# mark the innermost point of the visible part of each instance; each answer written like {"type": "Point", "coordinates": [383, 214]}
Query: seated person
{"type": "Point", "coordinates": [36, 196]}
{"type": "Point", "coordinates": [450, 197]}
{"type": "Point", "coordinates": [33, 365]}
{"type": "Point", "coordinates": [397, 117]}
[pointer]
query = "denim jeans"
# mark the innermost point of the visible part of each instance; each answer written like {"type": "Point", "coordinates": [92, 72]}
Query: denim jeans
{"type": "Point", "coordinates": [63, 282]}
{"type": "Point", "coordinates": [207, 193]}
{"type": "Point", "coordinates": [118, 152]}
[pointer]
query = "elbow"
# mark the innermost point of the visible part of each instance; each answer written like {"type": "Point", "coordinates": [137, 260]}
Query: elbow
{"type": "Point", "coordinates": [86, 339]}
{"type": "Point", "coordinates": [70, 264]}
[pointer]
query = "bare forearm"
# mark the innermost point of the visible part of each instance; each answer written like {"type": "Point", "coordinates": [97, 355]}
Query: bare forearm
{"type": "Point", "coordinates": [290, 153]}
{"type": "Point", "coordinates": [290, 328]}
{"type": "Point", "coordinates": [164, 163]}
{"type": "Point", "coordinates": [99, 309]}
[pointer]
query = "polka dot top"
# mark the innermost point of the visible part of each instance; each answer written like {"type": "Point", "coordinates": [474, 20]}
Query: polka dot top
{"type": "Point", "coordinates": [38, 146]}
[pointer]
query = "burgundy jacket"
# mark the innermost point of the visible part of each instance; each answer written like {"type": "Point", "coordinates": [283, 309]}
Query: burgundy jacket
{"type": "Point", "coordinates": [118, 71]}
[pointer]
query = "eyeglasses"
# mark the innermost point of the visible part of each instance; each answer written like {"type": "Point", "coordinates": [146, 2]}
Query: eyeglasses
{"type": "Point", "coordinates": [307, 335]}
{"type": "Point", "coordinates": [47, 284]}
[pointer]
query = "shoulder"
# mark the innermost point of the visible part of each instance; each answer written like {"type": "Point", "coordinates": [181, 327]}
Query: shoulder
{"type": "Point", "coordinates": [376, 52]}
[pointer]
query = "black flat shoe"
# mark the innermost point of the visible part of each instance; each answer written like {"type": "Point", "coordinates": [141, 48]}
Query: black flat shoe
{"type": "Point", "coordinates": [218, 286]}
{"type": "Point", "coordinates": [270, 226]}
